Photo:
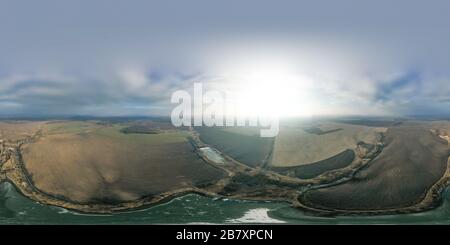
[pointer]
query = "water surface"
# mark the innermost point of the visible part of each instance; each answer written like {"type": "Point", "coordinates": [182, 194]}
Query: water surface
{"type": "Point", "coordinates": [17, 209]}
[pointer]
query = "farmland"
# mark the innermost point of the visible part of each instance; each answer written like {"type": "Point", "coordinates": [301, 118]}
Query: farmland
{"type": "Point", "coordinates": [241, 143]}
{"type": "Point", "coordinates": [302, 150]}
{"type": "Point", "coordinates": [312, 170]}
{"type": "Point", "coordinates": [325, 167]}
{"type": "Point", "coordinates": [412, 161]}
{"type": "Point", "coordinates": [295, 146]}
{"type": "Point", "coordinates": [86, 162]}
{"type": "Point", "coordinates": [16, 130]}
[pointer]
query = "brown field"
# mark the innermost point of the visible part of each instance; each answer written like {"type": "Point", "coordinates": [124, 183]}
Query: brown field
{"type": "Point", "coordinates": [296, 146]}
{"type": "Point", "coordinates": [411, 162]}
{"type": "Point", "coordinates": [16, 130]}
{"type": "Point", "coordinates": [85, 162]}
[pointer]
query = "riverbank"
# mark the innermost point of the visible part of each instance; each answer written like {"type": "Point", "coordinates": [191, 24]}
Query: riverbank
{"type": "Point", "coordinates": [195, 209]}
{"type": "Point", "coordinates": [13, 170]}
{"type": "Point", "coordinates": [279, 188]}
{"type": "Point", "coordinates": [430, 199]}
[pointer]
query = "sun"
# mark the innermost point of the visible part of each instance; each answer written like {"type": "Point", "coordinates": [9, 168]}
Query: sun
{"type": "Point", "coordinates": [271, 90]}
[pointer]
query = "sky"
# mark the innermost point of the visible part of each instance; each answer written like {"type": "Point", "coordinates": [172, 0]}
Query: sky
{"type": "Point", "coordinates": [123, 58]}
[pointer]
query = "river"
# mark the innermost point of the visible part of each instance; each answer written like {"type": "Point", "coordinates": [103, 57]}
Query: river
{"type": "Point", "coordinates": [17, 209]}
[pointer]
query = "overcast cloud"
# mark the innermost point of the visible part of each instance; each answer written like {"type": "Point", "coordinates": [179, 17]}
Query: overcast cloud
{"type": "Point", "coordinates": [113, 58]}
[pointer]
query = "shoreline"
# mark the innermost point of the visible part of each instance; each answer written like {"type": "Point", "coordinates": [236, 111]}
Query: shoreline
{"type": "Point", "coordinates": [431, 200]}
{"type": "Point", "coordinates": [14, 172]}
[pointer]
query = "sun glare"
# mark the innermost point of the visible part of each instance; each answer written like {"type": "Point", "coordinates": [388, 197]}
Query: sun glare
{"type": "Point", "coordinates": [272, 90]}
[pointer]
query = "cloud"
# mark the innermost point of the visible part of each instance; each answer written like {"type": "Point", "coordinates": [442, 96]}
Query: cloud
{"type": "Point", "coordinates": [99, 58]}
{"type": "Point", "coordinates": [39, 95]}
